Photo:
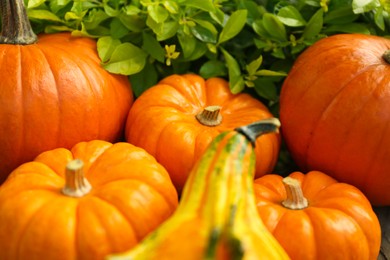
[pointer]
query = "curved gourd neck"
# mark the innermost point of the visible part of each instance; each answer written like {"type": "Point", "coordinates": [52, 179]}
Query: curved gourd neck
{"type": "Point", "coordinates": [16, 27]}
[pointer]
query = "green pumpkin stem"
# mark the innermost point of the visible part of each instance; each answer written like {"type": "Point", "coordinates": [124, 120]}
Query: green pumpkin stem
{"type": "Point", "coordinates": [386, 56]}
{"type": "Point", "coordinates": [295, 198]}
{"type": "Point", "coordinates": [76, 185]}
{"type": "Point", "coordinates": [16, 27]}
{"type": "Point", "coordinates": [210, 116]}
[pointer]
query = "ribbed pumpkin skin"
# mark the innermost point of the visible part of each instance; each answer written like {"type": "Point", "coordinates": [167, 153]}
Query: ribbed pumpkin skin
{"type": "Point", "coordinates": [338, 223]}
{"type": "Point", "coordinates": [54, 94]}
{"type": "Point", "coordinates": [131, 195]}
{"type": "Point", "coordinates": [162, 121]}
{"type": "Point", "coordinates": [335, 111]}
{"type": "Point", "coordinates": [216, 217]}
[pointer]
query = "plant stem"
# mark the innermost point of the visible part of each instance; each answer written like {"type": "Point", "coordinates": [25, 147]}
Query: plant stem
{"type": "Point", "coordinates": [16, 27]}
{"type": "Point", "coordinates": [210, 116]}
{"type": "Point", "coordinates": [295, 198]}
{"type": "Point", "coordinates": [76, 185]}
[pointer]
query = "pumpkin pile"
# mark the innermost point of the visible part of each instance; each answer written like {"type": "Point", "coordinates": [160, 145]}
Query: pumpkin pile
{"type": "Point", "coordinates": [185, 172]}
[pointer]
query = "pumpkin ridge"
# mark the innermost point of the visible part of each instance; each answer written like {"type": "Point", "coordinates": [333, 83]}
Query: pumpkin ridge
{"type": "Point", "coordinates": [131, 222]}
{"type": "Point", "coordinates": [329, 105]}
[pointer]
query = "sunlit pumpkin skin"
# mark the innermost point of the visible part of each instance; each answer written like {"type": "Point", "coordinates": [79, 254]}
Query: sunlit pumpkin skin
{"type": "Point", "coordinates": [54, 93]}
{"type": "Point", "coordinates": [216, 217]}
{"type": "Point", "coordinates": [163, 122]}
{"type": "Point", "coordinates": [336, 223]}
{"type": "Point", "coordinates": [335, 110]}
{"type": "Point", "coordinates": [131, 195]}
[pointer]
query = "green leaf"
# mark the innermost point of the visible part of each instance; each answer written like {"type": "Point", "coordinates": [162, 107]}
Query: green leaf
{"type": "Point", "coordinates": [274, 27]}
{"type": "Point", "coordinates": [34, 3]}
{"type": "Point", "coordinates": [340, 15]}
{"type": "Point", "coordinates": [379, 18]}
{"type": "Point", "coordinates": [158, 13]}
{"type": "Point", "coordinates": [132, 22]}
{"type": "Point", "coordinates": [363, 6]}
{"type": "Point", "coordinates": [236, 80]}
{"type": "Point", "coordinates": [254, 66]}
{"type": "Point", "coordinates": [203, 34]}
{"type": "Point", "coordinates": [144, 79]}
{"type": "Point", "coordinates": [205, 5]}
{"type": "Point", "coordinates": [171, 6]}
{"type": "Point", "coordinates": [233, 26]}
{"type": "Point", "coordinates": [348, 28]}
{"type": "Point", "coordinates": [106, 46]}
{"type": "Point", "coordinates": [266, 88]}
{"type": "Point", "coordinates": [43, 15]}
{"type": "Point", "coordinates": [290, 16]}
{"type": "Point", "coordinates": [270, 73]}
{"type": "Point", "coordinates": [314, 26]}
{"type": "Point", "coordinates": [213, 68]}
{"type": "Point", "coordinates": [126, 59]}
{"type": "Point", "coordinates": [164, 30]}
{"type": "Point", "coordinates": [153, 47]}
{"type": "Point", "coordinates": [117, 29]}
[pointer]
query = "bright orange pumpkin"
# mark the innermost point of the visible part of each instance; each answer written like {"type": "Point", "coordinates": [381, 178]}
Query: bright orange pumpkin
{"type": "Point", "coordinates": [314, 217]}
{"type": "Point", "coordinates": [118, 197]}
{"type": "Point", "coordinates": [53, 92]}
{"type": "Point", "coordinates": [335, 111]}
{"type": "Point", "coordinates": [177, 119]}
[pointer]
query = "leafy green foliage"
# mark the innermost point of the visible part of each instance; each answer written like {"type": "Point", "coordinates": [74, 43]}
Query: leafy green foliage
{"type": "Point", "coordinates": [252, 43]}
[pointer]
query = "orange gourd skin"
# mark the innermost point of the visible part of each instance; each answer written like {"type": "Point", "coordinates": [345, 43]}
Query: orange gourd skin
{"type": "Point", "coordinates": [338, 223]}
{"type": "Point", "coordinates": [54, 93]}
{"type": "Point", "coordinates": [334, 110]}
{"type": "Point", "coordinates": [162, 121]}
{"type": "Point", "coordinates": [131, 195]}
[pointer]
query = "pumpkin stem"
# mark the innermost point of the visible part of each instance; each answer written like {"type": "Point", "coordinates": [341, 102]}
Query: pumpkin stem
{"type": "Point", "coordinates": [295, 198]}
{"type": "Point", "coordinates": [16, 27]}
{"type": "Point", "coordinates": [210, 116]}
{"type": "Point", "coordinates": [76, 185]}
{"type": "Point", "coordinates": [386, 56]}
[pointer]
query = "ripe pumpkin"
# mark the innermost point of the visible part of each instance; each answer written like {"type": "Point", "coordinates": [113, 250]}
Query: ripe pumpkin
{"type": "Point", "coordinates": [314, 217]}
{"type": "Point", "coordinates": [54, 93]}
{"type": "Point", "coordinates": [335, 109]}
{"type": "Point", "coordinates": [109, 197]}
{"type": "Point", "coordinates": [216, 217]}
{"type": "Point", "coordinates": [177, 119]}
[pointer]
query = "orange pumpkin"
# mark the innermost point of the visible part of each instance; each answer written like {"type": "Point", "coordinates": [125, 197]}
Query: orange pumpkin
{"type": "Point", "coordinates": [335, 110]}
{"type": "Point", "coordinates": [54, 93]}
{"type": "Point", "coordinates": [108, 199]}
{"type": "Point", "coordinates": [315, 217]}
{"type": "Point", "coordinates": [177, 119]}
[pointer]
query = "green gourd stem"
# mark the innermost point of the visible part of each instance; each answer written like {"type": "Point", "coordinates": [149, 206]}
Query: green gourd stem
{"type": "Point", "coordinates": [295, 198]}
{"type": "Point", "coordinates": [210, 116]}
{"type": "Point", "coordinates": [386, 56]}
{"type": "Point", "coordinates": [254, 130]}
{"type": "Point", "coordinates": [76, 185]}
{"type": "Point", "coordinates": [16, 27]}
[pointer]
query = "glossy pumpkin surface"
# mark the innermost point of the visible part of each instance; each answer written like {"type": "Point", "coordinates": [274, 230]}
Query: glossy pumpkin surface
{"type": "Point", "coordinates": [335, 222]}
{"type": "Point", "coordinates": [164, 121]}
{"type": "Point", "coordinates": [54, 94]}
{"type": "Point", "coordinates": [130, 195]}
{"type": "Point", "coordinates": [335, 109]}
{"type": "Point", "coordinates": [216, 217]}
